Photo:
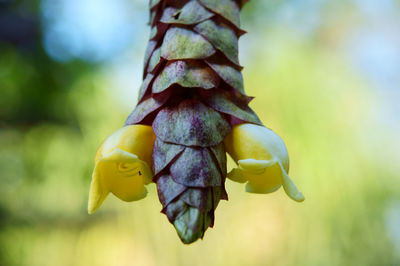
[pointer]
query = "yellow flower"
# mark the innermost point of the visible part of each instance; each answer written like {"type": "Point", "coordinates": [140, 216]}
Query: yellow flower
{"type": "Point", "coordinates": [122, 166]}
{"type": "Point", "coordinates": [262, 160]}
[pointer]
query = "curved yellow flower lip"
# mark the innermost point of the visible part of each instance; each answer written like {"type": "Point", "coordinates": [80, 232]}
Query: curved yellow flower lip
{"type": "Point", "coordinates": [259, 168]}
{"type": "Point", "coordinates": [262, 160]}
{"type": "Point", "coordinates": [124, 161]}
{"type": "Point", "coordinates": [119, 171]}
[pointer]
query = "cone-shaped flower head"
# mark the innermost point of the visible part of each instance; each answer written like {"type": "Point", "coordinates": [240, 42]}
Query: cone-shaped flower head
{"type": "Point", "coordinates": [122, 166]}
{"type": "Point", "coordinates": [262, 160]}
{"type": "Point", "coordinates": [193, 98]}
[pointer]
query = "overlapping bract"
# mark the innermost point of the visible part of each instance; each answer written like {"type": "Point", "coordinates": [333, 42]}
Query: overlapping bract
{"type": "Point", "coordinates": [192, 95]}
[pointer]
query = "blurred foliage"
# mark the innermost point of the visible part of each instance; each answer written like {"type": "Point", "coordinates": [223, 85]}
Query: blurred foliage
{"type": "Point", "coordinates": [54, 115]}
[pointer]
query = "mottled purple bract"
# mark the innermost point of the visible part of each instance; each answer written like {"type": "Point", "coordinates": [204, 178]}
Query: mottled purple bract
{"type": "Point", "coordinates": [228, 9]}
{"type": "Point", "coordinates": [199, 198]}
{"type": "Point", "coordinates": [220, 156]}
{"type": "Point", "coordinates": [168, 189]}
{"type": "Point", "coordinates": [191, 123]}
{"type": "Point", "coordinates": [181, 43]}
{"type": "Point", "coordinates": [163, 154]}
{"type": "Point", "coordinates": [229, 74]}
{"type": "Point", "coordinates": [188, 74]}
{"type": "Point", "coordinates": [145, 108]}
{"type": "Point", "coordinates": [223, 101]}
{"type": "Point", "coordinates": [144, 86]}
{"type": "Point", "coordinates": [151, 46]}
{"type": "Point", "coordinates": [196, 168]}
{"type": "Point", "coordinates": [191, 13]}
{"type": "Point", "coordinates": [154, 61]}
{"type": "Point", "coordinates": [222, 37]}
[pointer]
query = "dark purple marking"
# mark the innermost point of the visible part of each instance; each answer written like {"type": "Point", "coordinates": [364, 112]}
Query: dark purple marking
{"type": "Point", "coordinates": [191, 123]}
{"type": "Point", "coordinates": [195, 167]}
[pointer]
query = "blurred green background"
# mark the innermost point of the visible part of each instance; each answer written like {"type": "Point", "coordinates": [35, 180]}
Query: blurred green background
{"type": "Point", "coordinates": [326, 78]}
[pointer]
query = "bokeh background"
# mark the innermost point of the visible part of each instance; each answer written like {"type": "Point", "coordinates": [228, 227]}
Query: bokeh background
{"type": "Point", "coordinates": [326, 78]}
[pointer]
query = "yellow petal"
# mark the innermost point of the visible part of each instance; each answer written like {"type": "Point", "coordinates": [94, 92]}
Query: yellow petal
{"type": "Point", "coordinates": [255, 166]}
{"type": "Point", "coordinates": [290, 188]}
{"type": "Point", "coordinates": [256, 189]}
{"type": "Point", "coordinates": [122, 165]}
{"type": "Point", "coordinates": [266, 180]}
{"type": "Point", "coordinates": [124, 180]}
{"type": "Point", "coordinates": [118, 155]}
{"type": "Point", "coordinates": [98, 192]}
{"type": "Point", "coordinates": [134, 139]}
{"type": "Point", "coordinates": [262, 159]}
{"type": "Point", "coordinates": [236, 175]}
{"type": "Point", "coordinates": [126, 162]}
{"type": "Point", "coordinates": [249, 141]}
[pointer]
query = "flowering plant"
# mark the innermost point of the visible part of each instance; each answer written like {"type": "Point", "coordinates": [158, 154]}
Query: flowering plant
{"type": "Point", "coordinates": [192, 109]}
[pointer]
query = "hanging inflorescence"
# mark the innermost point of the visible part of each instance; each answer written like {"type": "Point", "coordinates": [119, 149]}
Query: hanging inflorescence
{"type": "Point", "coordinates": [191, 110]}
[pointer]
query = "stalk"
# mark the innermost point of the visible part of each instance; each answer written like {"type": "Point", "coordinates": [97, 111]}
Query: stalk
{"type": "Point", "coordinates": [192, 94]}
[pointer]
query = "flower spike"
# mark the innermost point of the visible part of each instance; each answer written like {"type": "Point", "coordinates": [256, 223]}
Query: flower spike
{"type": "Point", "coordinates": [122, 166]}
{"type": "Point", "coordinates": [262, 158]}
{"type": "Point", "coordinates": [193, 99]}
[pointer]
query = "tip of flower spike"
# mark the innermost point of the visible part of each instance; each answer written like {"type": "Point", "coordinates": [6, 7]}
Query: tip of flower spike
{"type": "Point", "coordinates": [191, 226]}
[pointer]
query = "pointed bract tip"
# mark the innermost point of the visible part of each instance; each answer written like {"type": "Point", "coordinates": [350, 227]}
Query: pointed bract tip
{"type": "Point", "coordinates": [190, 225]}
